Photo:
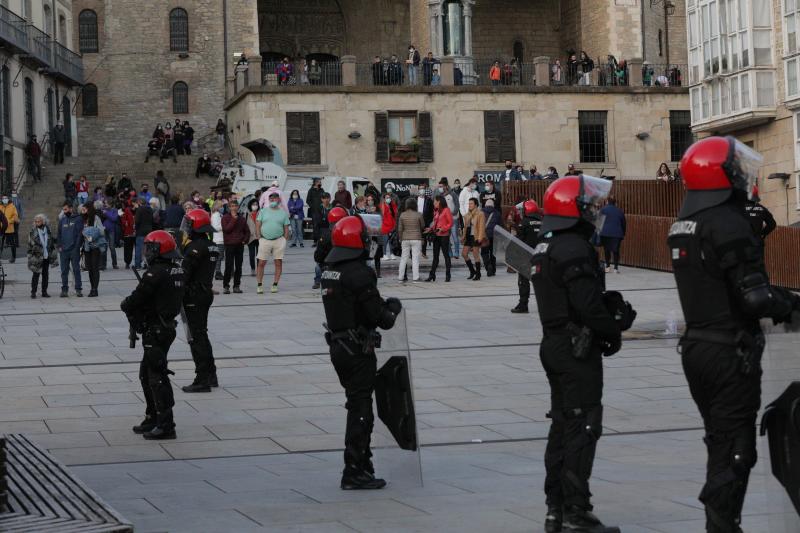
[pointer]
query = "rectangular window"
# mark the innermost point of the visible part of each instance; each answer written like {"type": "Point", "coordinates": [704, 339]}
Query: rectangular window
{"type": "Point", "coordinates": [704, 100]}
{"type": "Point", "coordinates": [499, 136]}
{"type": "Point", "coordinates": [745, 80]}
{"type": "Point", "coordinates": [797, 141]}
{"type": "Point", "coordinates": [791, 78]}
{"type": "Point", "coordinates": [403, 137]}
{"type": "Point", "coordinates": [724, 93]}
{"type": "Point", "coordinates": [592, 136]}
{"type": "Point", "coordinates": [761, 13]}
{"type": "Point", "coordinates": [762, 47]}
{"type": "Point", "coordinates": [302, 138]}
{"type": "Point", "coordinates": [715, 99]}
{"type": "Point", "coordinates": [680, 134]}
{"type": "Point", "coordinates": [765, 89]}
{"type": "Point", "coordinates": [734, 94]}
{"type": "Point", "coordinates": [696, 104]}
{"type": "Point", "coordinates": [791, 34]}
{"type": "Point", "coordinates": [28, 94]}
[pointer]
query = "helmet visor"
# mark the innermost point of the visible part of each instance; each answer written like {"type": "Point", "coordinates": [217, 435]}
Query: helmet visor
{"type": "Point", "coordinates": [742, 166]}
{"type": "Point", "coordinates": [372, 223]}
{"type": "Point", "coordinates": [151, 251]}
{"type": "Point", "coordinates": [187, 227]}
{"type": "Point", "coordinates": [592, 196]}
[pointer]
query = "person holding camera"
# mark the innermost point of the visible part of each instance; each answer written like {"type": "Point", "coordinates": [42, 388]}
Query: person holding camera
{"type": "Point", "coordinates": [353, 310]}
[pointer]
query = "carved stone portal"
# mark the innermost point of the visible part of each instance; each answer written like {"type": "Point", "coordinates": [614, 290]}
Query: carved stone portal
{"type": "Point", "coordinates": [301, 27]}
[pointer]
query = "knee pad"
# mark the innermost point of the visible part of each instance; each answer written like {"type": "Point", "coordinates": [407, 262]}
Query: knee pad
{"type": "Point", "coordinates": [591, 419]}
{"type": "Point", "coordinates": [744, 454]}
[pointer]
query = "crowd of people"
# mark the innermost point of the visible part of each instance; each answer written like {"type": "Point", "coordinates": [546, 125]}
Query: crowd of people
{"type": "Point", "coordinates": [168, 141]}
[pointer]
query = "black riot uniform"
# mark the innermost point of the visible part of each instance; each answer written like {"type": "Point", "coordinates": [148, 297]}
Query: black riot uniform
{"type": "Point", "coordinates": [578, 331]}
{"type": "Point", "coordinates": [761, 220]}
{"type": "Point", "coordinates": [151, 310]}
{"type": "Point", "coordinates": [528, 232]}
{"type": "Point", "coordinates": [200, 258]}
{"type": "Point", "coordinates": [353, 309]}
{"type": "Point", "coordinates": [724, 290]}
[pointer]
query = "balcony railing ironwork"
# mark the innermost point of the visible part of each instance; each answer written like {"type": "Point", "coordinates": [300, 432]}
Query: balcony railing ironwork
{"type": "Point", "coordinates": [68, 64]}
{"type": "Point", "coordinates": [13, 30]}
{"type": "Point", "coordinates": [39, 46]}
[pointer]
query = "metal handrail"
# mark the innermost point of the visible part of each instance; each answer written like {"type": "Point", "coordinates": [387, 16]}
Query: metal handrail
{"type": "Point", "coordinates": [13, 28]}
{"type": "Point", "coordinates": [39, 45]}
{"type": "Point", "coordinates": [68, 63]}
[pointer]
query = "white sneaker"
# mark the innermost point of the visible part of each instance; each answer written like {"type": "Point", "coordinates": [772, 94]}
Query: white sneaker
{"type": "Point", "coordinates": [608, 269]}
{"type": "Point", "coordinates": [616, 270]}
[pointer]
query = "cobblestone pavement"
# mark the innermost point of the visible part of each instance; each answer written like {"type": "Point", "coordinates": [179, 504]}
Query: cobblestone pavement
{"type": "Point", "coordinates": [263, 451]}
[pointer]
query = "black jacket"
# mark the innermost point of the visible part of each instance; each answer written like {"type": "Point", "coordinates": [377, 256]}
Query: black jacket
{"type": "Point", "coordinates": [143, 220]}
{"type": "Point", "coordinates": [158, 296]}
{"type": "Point", "coordinates": [761, 220]}
{"type": "Point", "coordinates": [314, 199]}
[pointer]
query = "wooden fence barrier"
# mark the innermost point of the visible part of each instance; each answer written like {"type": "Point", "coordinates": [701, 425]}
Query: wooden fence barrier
{"type": "Point", "coordinates": [650, 208]}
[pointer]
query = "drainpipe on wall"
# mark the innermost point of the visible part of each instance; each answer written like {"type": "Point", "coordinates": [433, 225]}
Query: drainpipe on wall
{"type": "Point", "coordinates": [644, 47]}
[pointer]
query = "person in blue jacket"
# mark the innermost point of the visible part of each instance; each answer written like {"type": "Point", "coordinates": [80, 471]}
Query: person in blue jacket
{"type": "Point", "coordinates": [70, 241]}
{"type": "Point", "coordinates": [296, 217]}
{"type": "Point", "coordinates": [612, 233]}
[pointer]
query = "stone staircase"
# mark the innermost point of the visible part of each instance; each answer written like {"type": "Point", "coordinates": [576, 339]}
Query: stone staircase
{"type": "Point", "coordinates": [47, 196]}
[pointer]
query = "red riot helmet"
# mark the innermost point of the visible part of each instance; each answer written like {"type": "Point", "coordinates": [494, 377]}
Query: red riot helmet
{"type": "Point", "coordinates": [713, 168]}
{"type": "Point", "coordinates": [336, 214]}
{"type": "Point", "coordinates": [530, 207]}
{"type": "Point", "coordinates": [197, 221]}
{"type": "Point", "coordinates": [571, 199]}
{"type": "Point", "coordinates": [160, 244]}
{"type": "Point", "coordinates": [350, 240]}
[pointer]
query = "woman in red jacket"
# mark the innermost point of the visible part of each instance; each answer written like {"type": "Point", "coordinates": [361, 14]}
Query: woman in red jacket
{"type": "Point", "coordinates": [440, 230]}
{"type": "Point", "coordinates": [388, 224]}
{"type": "Point", "coordinates": [128, 233]}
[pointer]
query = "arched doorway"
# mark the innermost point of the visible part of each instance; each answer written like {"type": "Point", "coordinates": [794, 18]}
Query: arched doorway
{"type": "Point", "coordinates": [519, 51]}
{"type": "Point", "coordinates": [300, 28]}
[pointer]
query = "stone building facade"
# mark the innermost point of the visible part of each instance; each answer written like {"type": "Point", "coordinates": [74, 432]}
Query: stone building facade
{"type": "Point", "coordinates": [545, 126]}
{"type": "Point", "coordinates": [752, 93]}
{"type": "Point", "coordinates": [143, 51]}
{"type": "Point", "coordinates": [39, 81]}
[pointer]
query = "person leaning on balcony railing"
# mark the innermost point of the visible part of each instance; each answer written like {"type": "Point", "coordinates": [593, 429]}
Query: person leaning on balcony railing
{"type": "Point", "coordinates": [377, 71]}
{"type": "Point", "coordinates": [587, 66]}
{"type": "Point", "coordinates": [556, 72]}
{"type": "Point", "coordinates": [428, 69]}
{"type": "Point", "coordinates": [314, 73]}
{"type": "Point", "coordinates": [572, 69]}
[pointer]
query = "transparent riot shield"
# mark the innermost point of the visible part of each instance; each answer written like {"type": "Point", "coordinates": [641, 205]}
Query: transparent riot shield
{"type": "Point", "coordinates": [395, 441]}
{"type": "Point", "coordinates": [776, 476]}
{"type": "Point", "coordinates": [513, 252]}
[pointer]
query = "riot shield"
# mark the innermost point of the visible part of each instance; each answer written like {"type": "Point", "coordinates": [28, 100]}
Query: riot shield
{"type": "Point", "coordinates": [777, 473]}
{"type": "Point", "coordinates": [513, 252]}
{"type": "Point", "coordinates": [395, 441]}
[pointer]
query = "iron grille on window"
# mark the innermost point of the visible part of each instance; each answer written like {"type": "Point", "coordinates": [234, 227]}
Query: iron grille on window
{"type": "Point", "coordinates": [87, 32]}
{"type": "Point", "coordinates": [178, 30]}
{"type": "Point", "coordinates": [302, 138]}
{"type": "Point", "coordinates": [89, 97]}
{"type": "Point", "coordinates": [180, 98]}
{"type": "Point", "coordinates": [28, 108]}
{"type": "Point", "coordinates": [592, 137]}
{"type": "Point", "coordinates": [680, 134]}
{"type": "Point", "coordinates": [6, 74]}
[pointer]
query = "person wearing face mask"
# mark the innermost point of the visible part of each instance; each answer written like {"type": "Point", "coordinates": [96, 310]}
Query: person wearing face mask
{"type": "Point", "coordinates": [12, 217]}
{"type": "Point", "coordinates": [371, 190]}
{"type": "Point", "coordinates": [169, 133]}
{"type": "Point", "coordinates": [236, 235]}
{"type": "Point", "coordinates": [470, 191]}
{"type": "Point", "coordinates": [534, 173]}
{"type": "Point", "coordinates": [203, 166]}
{"type": "Point", "coordinates": [252, 244]}
{"type": "Point", "coordinates": [473, 237]}
{"type": "Point", "coordinates": [126, 219]}
{"type": "Point", "coordinates": [511, 173]}
{"type": "Point", "coordinates": [388, 223]}
{"type": "Point", "coordinates": [17, 201]}
{"type": "Point", "coordinates": [343, 196]}
{"type": "Point", "coordinates": [94, 244]}
{"type": "Point", "coordinates": [425, 208]}
{"type": "Point", "coordinates": [272, 224]}
{"type": "Point", "coordinates": [217, 236]}
{"type": "Point", "coordinates": [41, 254]}
{"type": "Point", "coordinates": [490, 192]}
{"type": "Point", "coordinates": [296, 215]}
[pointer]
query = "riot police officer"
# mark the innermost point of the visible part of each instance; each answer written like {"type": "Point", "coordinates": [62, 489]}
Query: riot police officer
{"type": "Point", "coordinates": [578, 331]}
{"type": "Point", "coordinates": [761, 220]}
{"type": "Point", "coordinates": [724, 291]}
{"type": "Point", "coordinates": [353, 309]}
{"type": "Point", "coordinates": [324, 244]}
{"type": "Point", "coordinates": [200, 257]}
{"type": "Point", "coordinates": [151, 309]}
{"type": "Point", "coordinates": [528, 232]}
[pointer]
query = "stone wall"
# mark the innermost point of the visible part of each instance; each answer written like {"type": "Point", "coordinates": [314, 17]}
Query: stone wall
{"type": "Point", "coordinates": [654, 22]}
{"type": "Point", "coordinates": [497, 24]}
{"type": "Point", "coordinates": [546, 127]}
{"type": "Point", "coordinates": [419, 19]}
{"type": "Point", "coordinates": [570, 27]}
{"type": "Point", "coordinates": [134, 70]}
{"type": "Point", "coordinates": [612, 27]}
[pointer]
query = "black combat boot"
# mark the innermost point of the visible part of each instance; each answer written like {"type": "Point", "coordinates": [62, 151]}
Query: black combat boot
{"type": "Point", "coordinates": [145, 425]}
{"type": "Point", "coordinates": [471, 269]}
{"type": "Point", "coordinates": [198, 385]}
{"type": "Point", "coordinates": [520, 308]}
{"type": "Point", "coordinates": [356, 478]}
{"type": "Point", "coordinates": [554, 518]}
{"type": "Point", "coordinates": [213, 381]}
{"type": "Point", "coordinates": [161, 433]}
{"type": "Point", "coordinates": [477, 271]}
{"type": "Point", "coordinates": [579, 519]}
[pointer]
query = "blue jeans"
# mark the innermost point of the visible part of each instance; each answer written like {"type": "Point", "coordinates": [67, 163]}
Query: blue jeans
{"type": "Point", "coordinates": [412, 74]}
{"type": "Point", "coordinates": [455, 244]}
{"type": "Point", "coordinates": [70, 258]}
{"type": "Point", "coordinates": [297, 231]}
{"type": "Point", "coordinates": [317, 274]}
{"type": "Point", "coordinates": [111, 237]}
{"type": "Point", "coordinates": [137, 252]}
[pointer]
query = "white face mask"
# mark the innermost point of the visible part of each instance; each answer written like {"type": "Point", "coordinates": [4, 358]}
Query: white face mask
{"type": "Point", "coordinates": [388, 200]}
{"type": "Point", "coordinates": [253, 208]}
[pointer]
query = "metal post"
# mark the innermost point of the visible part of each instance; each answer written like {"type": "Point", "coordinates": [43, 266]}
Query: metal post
{"type": "Point", "coordinates": [666, 30]}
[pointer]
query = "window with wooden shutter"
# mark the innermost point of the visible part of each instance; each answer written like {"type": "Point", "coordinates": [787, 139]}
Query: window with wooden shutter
{"type": "Point", "coordinates": [425, 135]}
{"type": "Point", "coordinates": [382, 137]}
{"type": "Point", "coordinates": [499, 136]}
{"type": "Point", "coordinates": [302, 138]}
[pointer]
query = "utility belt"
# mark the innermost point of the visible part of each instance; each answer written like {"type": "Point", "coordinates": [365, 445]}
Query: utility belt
{"type": "Point", "coordinates": [749, 346]}
{"type": "Point", "coordinates": [365, 339]}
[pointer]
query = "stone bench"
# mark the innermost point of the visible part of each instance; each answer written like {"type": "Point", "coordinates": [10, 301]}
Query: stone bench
{"type": "Point", "coordinates": [41, 495]}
